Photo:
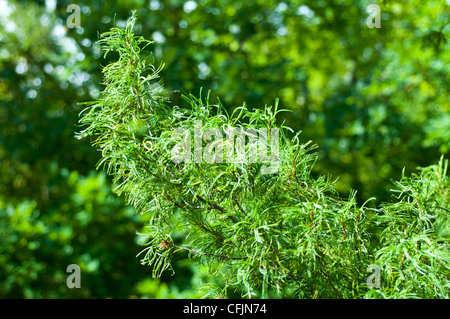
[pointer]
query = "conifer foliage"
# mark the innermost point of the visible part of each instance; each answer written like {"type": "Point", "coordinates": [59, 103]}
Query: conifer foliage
{"type": "Point", "coordinates": [282, 234]}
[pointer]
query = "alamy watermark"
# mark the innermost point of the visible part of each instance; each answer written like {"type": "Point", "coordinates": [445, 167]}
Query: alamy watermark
{"type": "Point", "coordinates": [374, 280]}
{"type": "Point", "coordinates": [73, 20]}
{"type": "Point", "coordinates": [374, 16]}
{"type": "Point", "coordinates": [74, 280]}
{"type": "Point", "coordinates": [231, 149]}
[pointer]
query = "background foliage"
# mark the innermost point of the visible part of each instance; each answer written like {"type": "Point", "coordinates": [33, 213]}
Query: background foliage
{"type": "Point", "coordinates": [374, 100]}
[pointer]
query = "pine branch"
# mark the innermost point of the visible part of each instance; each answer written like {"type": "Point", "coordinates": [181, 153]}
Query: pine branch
{"type": "Point", "coordinates": [295, 231]}
{"type": "Point", "coordinates": [192, 251]}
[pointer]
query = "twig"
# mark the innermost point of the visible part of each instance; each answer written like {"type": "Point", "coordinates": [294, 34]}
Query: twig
{"type": "Point", "coordinates": [216, 207]}
{"type": "Point", "coordinates": [205, 254]}
{"type": "Point", "coordinates": [238, 205]}
{"type": "Point", "coordinates": [142, 109]}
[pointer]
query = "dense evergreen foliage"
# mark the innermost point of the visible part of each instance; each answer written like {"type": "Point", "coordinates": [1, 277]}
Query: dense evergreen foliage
{"type": "Point", "coordinates": [279, 234]}
{"type": "Point", "coordinates": [375, 101]}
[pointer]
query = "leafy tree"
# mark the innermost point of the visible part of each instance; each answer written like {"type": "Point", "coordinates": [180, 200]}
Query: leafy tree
{"type": "Point", "coordinates": [374, 100]}
{"type": "Point", "coordinates": [283, 234]}
{"type": "Point", "coordinates": [55, 210]}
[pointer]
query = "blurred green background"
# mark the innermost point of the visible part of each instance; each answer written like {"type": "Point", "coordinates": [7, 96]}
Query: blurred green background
{"type": "Point", "coordinates": [373, 100]}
